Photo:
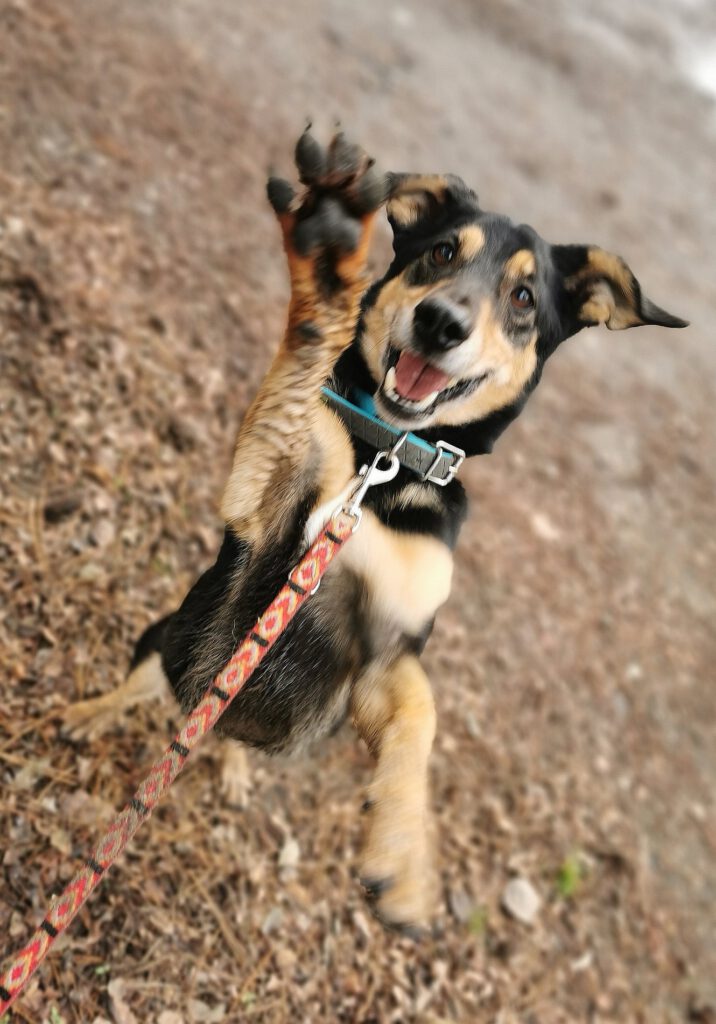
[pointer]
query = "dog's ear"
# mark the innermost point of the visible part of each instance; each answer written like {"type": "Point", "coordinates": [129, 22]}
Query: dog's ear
{"type": "Point", "coordinates": [599, 288]}
{"type": "Point", "coordinates": [421, 203]}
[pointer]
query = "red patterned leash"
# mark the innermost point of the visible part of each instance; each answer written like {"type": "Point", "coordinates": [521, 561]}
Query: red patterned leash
{"type": "Point", "coordinates": [302, 582]}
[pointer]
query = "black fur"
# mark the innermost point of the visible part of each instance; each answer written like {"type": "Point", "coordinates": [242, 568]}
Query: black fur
{"type": "Point", "coordinates": [300, 691]}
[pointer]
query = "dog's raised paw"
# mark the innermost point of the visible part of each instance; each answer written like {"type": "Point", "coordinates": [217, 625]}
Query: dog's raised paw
{"type": "Point", "coordinates": [343, 186]}
{"type": "Point", "coordinates": [343, 190]}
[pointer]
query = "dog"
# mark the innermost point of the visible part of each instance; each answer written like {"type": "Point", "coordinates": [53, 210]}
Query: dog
{"type": "Point", "coordinates": [446, 347]}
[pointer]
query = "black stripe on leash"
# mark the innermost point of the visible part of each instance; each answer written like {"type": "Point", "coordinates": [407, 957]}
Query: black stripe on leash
{"type": "Point", "coordinates": [139, 807]}
{"type": "Point", "coordinates": [297, 588]}
{"type": "Point", "coordinates": [48, 927]}
{"type": "Point", "coordinates": [332, 536]}
{"type": "Point", "coordinates": [4, 994]}
{"type": "Point", "coordinates": [179, 748]}
{"type": "Point", "coordinates": [258, 639]}
{"type": "Point", "coordinates": [221, 694]}
{"type": "Point", "coordinates": [94, 865]}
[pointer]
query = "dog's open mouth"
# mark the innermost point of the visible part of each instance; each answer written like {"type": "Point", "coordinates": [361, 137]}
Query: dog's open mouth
{"type": "Point", "coordinates": [413, 385]}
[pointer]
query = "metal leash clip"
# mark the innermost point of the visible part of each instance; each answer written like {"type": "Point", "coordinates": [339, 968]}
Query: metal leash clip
{"type": "Point", "coordinates": [372, 475]}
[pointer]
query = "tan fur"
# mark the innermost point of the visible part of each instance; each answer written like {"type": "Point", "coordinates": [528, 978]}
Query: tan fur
{"type": "Point", "coordinates": [412, 194]}
{"type": "Point", "coordinates": [336, 455]}
{"type": "Point", "coordinates": [521, 264]}
{"type": "Point", "coordinates": [610, 297]}
{"type": "Point", "coordinates": [600, 307]}
{"type": "Point", "coordinates": [417, 495]}
{"type": "Point", "coordinates": [408, 575]}
{"type": "Point", "coordinates": [394, 298]}
{"type": "Point", "coordinates": [472, 239]}
{"type": "Point", "coordinates": [601, 263]}
{"type": "Point", "coordinates": [395, 714]}
{"type": "Point", "coordinates": [88, 719]}
{"type": "Point", "coordinates": [235, 773]}
{"type": "Point", "coordinates": [510, 367]}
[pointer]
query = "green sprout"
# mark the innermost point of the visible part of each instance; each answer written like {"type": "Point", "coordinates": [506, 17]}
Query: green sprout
{"type": "Point", "coordinates": [477, 921]}
{"type": "Point", "coordinates": [570, 876]}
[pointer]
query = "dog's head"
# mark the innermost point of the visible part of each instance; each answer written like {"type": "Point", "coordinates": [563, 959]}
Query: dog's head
{"type": "Point", "coordinates": [457, 332]}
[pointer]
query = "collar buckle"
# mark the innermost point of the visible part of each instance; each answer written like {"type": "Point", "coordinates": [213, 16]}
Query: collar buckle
{"type": "Point", "coordinates": [457, 461]}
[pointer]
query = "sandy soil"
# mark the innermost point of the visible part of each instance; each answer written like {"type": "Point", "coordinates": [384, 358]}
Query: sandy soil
{"type": "Point", "coordinates": [141, 292]}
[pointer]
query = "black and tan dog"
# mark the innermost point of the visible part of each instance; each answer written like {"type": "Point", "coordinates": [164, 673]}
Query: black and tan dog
{"type": "Point", "coordinates": [450, 343]}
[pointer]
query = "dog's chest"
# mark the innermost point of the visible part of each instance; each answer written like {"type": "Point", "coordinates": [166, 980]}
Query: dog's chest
{"type": "Point", "coordinates": [405, 577]}
{"type": "Point", "coordinates": [408, 576]}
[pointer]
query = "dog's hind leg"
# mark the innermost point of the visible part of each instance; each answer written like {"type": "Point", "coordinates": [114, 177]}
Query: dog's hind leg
{"type": "Point", "coordinates": [89, 719]}
{"type": "Point", "coordinates": [394, 712]}
{"type": "Point", "coordinates": [235, 773]}
{"type": "Point", "coordinates": [146, 681]}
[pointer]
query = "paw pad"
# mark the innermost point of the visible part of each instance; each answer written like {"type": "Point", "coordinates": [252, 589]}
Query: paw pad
{"type": "Point", "coordinates": [343, 186]}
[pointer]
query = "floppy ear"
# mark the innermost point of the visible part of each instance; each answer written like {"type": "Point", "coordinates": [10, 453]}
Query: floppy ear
{"type": "Point", "coordinates": [599, 288]}
{"type": "Point", "coordinates": [420, 203]}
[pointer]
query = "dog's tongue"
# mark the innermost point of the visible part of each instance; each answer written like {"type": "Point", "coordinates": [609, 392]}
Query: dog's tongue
{"type": "Point", "coordinates": [416, 379]}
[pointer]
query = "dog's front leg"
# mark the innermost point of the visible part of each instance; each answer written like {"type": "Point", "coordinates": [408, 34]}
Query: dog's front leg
{"type": "Point", "coordinates": [282, 443]}
{"type": "Point", "coordinates": [394, 712]}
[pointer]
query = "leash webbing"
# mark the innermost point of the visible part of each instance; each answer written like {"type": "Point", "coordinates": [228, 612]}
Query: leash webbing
{"type": "Point", "coordinates": [302, 582]}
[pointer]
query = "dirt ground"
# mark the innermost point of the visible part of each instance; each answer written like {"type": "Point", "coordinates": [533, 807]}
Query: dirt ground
{"type": "Point", "coordinates": [142, 291]}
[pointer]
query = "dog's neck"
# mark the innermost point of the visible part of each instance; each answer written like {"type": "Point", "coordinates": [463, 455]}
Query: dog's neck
{"type": "Point", "coordinates": [476, 438]}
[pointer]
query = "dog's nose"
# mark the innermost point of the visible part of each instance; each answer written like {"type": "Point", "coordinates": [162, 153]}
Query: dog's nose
{"type": "Point", "coordinates": [439, 325]}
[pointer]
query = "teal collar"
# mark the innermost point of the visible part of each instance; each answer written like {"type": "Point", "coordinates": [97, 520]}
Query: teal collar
{"type": "Point", "coordinates": [435, 463]}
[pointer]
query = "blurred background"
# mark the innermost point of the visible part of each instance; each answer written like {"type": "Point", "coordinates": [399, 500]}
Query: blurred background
{"type": "Point", "coordinates": [142, 292]}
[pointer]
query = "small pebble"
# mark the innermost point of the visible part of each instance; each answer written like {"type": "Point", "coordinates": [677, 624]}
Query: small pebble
{"type": "Point", "coordinates": [286, 960]}
{"type": "Point", "coordinates": [472, 725]}
{"type": "Point", "coordinates": [698, 812]}
{"type": "Point", "coordinates": [290, 854]}
{"type": "Point", "coordinates": [461, 906]}
{"type": "Point", "coordinates": [201, 1013]}
{"type": "Point", "coordinates": [544, 528]}
{"type": "Point", "coordinates": [361, 923]}
{"type": "Point", "coordinates": [633, 672]}
{"type": "Point", "coordinates": [170, 1017]}
{"type": "Point", "coordinates": [521, 900]}
{"type": "Point", "coordinates": [582, 963]}
{"type": "Point", "coordinates": [272, 921]}
{"type": "Point", "coordinates": [103, 533]}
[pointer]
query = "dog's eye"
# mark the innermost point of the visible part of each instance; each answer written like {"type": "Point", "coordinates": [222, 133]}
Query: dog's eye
{"type": "Point", "coordinates": [522, 298]}
{"type": "Point", "coordinates": [443, 253]}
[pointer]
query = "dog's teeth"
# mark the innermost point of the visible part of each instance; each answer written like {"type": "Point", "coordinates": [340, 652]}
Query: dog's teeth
{"type": "Point", "coordinates": [408, 403]}
{"type": "Point", "coordinates": [389, 385]}
{"type": "Point", "coordinates": [426, 402]}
